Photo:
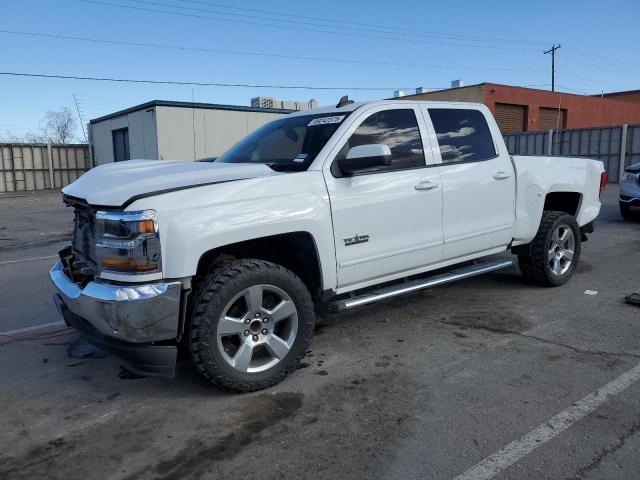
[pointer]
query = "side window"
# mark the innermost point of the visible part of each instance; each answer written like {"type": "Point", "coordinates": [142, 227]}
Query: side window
{"type": "Point", "coordinates": [398, 129]}
{"type": "Point", "coordinates": [463, 135]}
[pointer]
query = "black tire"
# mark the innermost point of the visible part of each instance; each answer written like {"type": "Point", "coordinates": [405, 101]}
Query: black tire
{"type": "Point", "coordinates": [220, 287]}
{"type": "Point", "coordinates": [626, 212]}
{"type": "Point", "coordinates": [536, 267]}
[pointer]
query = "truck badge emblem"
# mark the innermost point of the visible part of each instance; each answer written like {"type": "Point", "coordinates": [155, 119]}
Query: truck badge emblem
{"type": "Point", "coordinates": [355, 240]}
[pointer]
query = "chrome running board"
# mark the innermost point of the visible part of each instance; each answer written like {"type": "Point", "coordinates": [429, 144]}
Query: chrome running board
{"type": "Point", "coordinates": [415, 285]}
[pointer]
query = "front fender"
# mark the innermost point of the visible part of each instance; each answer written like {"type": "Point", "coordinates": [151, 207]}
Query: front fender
{"type": "Point", "coordinates": [197, 220]}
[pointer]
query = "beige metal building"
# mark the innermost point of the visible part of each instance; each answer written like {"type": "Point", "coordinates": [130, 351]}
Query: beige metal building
{"type": "Point", "coordinates": [164, 130]}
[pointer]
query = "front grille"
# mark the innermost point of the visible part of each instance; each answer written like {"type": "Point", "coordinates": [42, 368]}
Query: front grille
{"type": "Point", "coordinates": [83, 241]}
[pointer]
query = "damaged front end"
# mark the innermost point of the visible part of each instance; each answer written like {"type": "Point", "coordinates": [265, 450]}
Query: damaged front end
{"type": "Point", "coordinates": [136, 321]}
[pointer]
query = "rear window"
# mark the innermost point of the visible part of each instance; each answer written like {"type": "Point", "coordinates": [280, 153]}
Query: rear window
{"type": "Point", "coordinates": [463, 135]}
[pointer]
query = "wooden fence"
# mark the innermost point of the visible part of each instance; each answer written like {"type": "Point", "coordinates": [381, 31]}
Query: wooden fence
{"type": "Point", "coordinates": [40, 166]}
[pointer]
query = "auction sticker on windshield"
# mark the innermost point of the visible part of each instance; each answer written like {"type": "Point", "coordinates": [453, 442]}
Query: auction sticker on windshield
{"type": "Point", "coordinates": [326, 120]}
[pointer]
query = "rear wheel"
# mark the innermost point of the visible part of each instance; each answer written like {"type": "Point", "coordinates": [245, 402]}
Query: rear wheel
{"type": "Point", "coordinates": [555, 250]}
{"type": "Point", "coordinates": [252, 322]}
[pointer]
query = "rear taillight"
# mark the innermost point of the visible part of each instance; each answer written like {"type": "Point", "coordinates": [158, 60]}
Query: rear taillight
{"type": "Point", "coordinates": [603, 181]}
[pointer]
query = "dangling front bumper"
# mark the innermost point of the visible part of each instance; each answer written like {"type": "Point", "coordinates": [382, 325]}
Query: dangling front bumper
{"type": "Point", "coordinates": [126, 320]}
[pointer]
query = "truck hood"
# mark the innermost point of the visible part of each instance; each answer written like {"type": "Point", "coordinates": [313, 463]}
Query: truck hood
{"type": "Point", "coordinates": [118, 184]}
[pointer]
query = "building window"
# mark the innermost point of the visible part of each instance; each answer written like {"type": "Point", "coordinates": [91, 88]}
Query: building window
{"type": "Point", "coordinates": [552, 118]}
{"type": "Point", "coordinates": [463, 135]}
{"type": "Point", "coordinates": [120, 144]}
{"type": "Point", "coordinates": [511, 118]}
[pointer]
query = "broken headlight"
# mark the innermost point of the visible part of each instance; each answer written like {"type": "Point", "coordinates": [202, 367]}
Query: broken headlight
{"type": "Point", "coordinates": [128, 242]}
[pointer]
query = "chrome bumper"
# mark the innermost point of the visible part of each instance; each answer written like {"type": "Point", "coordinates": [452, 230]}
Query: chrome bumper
{"type": "Point", "coordinates": [130, 313]}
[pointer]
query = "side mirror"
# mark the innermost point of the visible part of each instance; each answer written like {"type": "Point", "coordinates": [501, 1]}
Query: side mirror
{"type": "Point", "coordinates": [365, 156]}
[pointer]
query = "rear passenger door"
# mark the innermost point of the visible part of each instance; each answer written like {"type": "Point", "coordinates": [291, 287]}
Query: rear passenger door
{"type": "Point", "coordinates": [387, 220]}
{"type": "Point", "coordinates": [478, 181]}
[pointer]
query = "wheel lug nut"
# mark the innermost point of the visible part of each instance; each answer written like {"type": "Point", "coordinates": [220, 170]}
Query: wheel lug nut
{"type": "Point", "coordinates": [257, 315]}
{"type": "Point", "coordinates": [246, 333]}
{"type": "Point", "coordinates": [247, 321]}
{"type": "Point", "coordinates": [265, 320]}
{"type": "Point", "coordinates": [255, 338]}
{"type": "Point", "coordinates": [264, 331]}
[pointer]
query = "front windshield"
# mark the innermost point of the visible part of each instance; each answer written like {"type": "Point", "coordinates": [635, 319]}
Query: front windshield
{"type": "Point", "coordinates": [289, 144]}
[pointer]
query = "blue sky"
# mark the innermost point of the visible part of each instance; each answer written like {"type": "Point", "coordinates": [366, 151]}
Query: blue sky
{"type": "Point", "coordinates": [435, 42]}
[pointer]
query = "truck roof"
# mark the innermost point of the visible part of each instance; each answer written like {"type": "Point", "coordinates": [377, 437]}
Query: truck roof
{"type": "Point", "coordinates": [354, 106]}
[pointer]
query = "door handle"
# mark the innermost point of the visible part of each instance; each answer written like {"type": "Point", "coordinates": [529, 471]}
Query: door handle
{"type": "Point", "coordinates": [426, 185]}
{"type": "Point", "coordinates": [501, 175]}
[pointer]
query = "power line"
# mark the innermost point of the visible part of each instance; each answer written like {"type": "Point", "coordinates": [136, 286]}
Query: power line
{"type": "Point", "coordinates": [398, 30]}
{"type": "Point", "coordinates": [584, 79]}
{"type": "Point", "coordinates": [240, 85]}
{"type": "Point", "coordinates": [292, 27]}
{"type": "Point", "coordinates": [346, 22]}
{"type": "Point", "coordinates": [306, 58]}
{"type": "Point", "coordinates": [573, 90]}
{"type": "Point", "coordinates": [452, 36]}
{"type": "Point", "coordinates": [601, 59]}
{"type": "Point", "coordinates": [594, 63]}
{"type": "Point", "coordinates": [259, 54]}
{"type": "Point", "coordinates": [199, 84]}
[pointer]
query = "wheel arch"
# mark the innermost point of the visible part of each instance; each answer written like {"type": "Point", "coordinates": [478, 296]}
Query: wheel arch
{"type": "Point", "coordinates": [563, 201]}
{"type": "Point", "coordinates": [295, 251]}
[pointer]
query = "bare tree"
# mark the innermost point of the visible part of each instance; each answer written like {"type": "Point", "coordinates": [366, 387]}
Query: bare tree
{"type": "Point", "coordinates": [59, 126]}
{"type": "Point", "coordinates": [56, 127]}
{"type": "Point", "coordinates": [35, 137]}
{"type": "Point", "coordinates": [28, 137]}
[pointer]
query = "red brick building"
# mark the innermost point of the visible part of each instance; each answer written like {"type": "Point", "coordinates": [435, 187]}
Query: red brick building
{"type": "Point", "coordinates": [519, 109]}
{"type": "Point", "coordinates": [628, 96]}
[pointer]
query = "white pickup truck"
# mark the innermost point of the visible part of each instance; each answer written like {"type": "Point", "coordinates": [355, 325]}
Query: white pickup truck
{"type": "Point", "coordinates": [333, 207]}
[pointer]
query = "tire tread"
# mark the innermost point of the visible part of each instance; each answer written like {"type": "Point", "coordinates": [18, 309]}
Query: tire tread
{"type": "Point", "coordinates": [217, 280]}
{"type": "Point", "coordinates": [533, 267]}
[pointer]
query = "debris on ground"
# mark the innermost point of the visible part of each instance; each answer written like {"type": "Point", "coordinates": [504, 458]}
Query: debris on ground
{"type": "Point", "coordinates": [590, 292]}
{"type": "Point", "coordinates": [633, 299]}
{"type": "Point", "coordinates": [126, 374]}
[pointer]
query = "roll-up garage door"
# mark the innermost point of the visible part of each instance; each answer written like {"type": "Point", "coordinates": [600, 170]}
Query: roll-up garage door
{"type": "Point", "coordinates": [511, 118]}
{"type": "Point", "coordinates": [551, 118]}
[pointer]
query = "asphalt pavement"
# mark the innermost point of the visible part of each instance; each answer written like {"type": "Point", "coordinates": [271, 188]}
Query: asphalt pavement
{"type": "Point", "coordinates": [487, 378]}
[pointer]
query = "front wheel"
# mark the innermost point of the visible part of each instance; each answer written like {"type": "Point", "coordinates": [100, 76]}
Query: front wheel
{"type": "Point", "coordinates": [252, 322]}
{"type": "Point", "coordinates": [555, 250]}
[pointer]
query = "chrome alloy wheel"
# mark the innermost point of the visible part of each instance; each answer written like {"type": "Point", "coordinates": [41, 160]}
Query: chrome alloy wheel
{"type": "Point", "coordinates": [561, 248]}
{"type": "Point", "coordinates": [257, 328]}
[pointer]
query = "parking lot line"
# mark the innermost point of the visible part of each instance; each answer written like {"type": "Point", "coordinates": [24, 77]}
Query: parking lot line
{"type": "Point", "coordinates": [31, 259]}
{"type": "Point", "coordinates": [10, 333]}
{"type": "Point", "coordinates": [510, 454]}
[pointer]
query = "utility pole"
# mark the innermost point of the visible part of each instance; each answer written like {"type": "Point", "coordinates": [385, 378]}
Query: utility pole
{"type": "Point", "coordinates": [552, 51]}
{"type": "Point", "coordinates": [80, 117]}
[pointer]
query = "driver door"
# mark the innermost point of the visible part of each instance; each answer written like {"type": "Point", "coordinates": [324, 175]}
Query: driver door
{"type": "Point", "coordinates": [387, 220]}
